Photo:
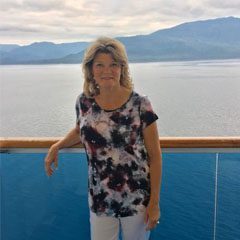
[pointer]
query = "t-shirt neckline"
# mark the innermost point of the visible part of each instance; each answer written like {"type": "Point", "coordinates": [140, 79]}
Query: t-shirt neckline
{"type": "Point", "coordinates": [112, 110]}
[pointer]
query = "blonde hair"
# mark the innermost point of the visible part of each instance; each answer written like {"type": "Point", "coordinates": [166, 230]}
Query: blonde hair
{"type": "Point", "coordinates": [118, 53]}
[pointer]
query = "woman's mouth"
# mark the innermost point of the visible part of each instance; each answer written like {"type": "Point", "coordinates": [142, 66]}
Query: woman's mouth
{"type": "Point", "coordinates": [107, 78]}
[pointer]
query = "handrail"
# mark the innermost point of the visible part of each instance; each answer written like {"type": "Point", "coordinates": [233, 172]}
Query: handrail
{"type": "Point", "coordinates": [165, 142]}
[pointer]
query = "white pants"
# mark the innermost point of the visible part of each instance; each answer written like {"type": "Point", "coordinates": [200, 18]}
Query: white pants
{"type": "Point", "coordinates": [108, 228]}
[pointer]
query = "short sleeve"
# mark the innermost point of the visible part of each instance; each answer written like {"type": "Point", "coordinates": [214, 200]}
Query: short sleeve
{"type": "Point", "coordinates": [77, 108]}
{"type": "Point", "coordinates": [147, 114]}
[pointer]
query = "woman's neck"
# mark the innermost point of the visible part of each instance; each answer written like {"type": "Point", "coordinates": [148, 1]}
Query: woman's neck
{"type": "Point", "coordinates": [111, 94]}
{"type": "Point", "coordinates": [111, 99]}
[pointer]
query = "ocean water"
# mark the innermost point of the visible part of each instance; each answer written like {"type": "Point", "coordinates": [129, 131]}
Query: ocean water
{"type": "Point", "coordinates": [195, 98]}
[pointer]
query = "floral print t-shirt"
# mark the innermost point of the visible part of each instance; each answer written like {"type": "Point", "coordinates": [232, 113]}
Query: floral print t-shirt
{"type": "Point", "coordinates": [118, 166]}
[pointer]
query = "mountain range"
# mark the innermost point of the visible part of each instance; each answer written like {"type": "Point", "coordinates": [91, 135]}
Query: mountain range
{"type": "Point", "coordinates": [200, 40]}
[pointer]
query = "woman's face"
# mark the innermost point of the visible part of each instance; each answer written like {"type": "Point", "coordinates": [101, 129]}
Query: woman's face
{"type": "Point", "coordinates": [106, 71]}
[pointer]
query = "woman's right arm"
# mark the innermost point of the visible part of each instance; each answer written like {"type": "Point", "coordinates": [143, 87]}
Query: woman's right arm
{"type": "Point", "coordinates": [72, 138]}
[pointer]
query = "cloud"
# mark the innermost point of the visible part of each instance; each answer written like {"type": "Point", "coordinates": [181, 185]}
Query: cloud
{"type": "Point", "coordinates": [31, 5]}
{"type": "Point", "coordinates": [224, 5]}
{"type": "Point", "coordinates": [25, 21]}
{"type": "Point", "coordinates": [17, 28]}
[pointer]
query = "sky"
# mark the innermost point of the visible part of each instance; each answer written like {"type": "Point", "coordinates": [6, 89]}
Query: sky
{"type": "Point", "coordinates": [26, 21]}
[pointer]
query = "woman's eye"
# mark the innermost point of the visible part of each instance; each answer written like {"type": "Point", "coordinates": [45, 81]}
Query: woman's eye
{"type": "Point", "coordinates": [115, 65]}
{"type": "Point", "coordinates": [112, 65]}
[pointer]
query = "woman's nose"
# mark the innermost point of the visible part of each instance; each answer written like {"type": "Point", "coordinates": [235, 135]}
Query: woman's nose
{"type": "Point", "coordinates": [107, 69]}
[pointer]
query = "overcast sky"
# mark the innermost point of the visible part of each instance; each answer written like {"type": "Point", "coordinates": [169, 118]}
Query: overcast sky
{"type": "Point", "coordinates": [26, 21]}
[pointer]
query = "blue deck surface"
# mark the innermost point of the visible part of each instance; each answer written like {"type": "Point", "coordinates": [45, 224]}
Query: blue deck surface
{"type": "Point", "coordinates": [36, 207]}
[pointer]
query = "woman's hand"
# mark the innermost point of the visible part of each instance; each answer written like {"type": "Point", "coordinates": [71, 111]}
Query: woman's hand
{"type": "Point", "coordinates": [51, 158]}
{"type": "Point", "coordinates": [70, 139]}
{"type": "Point", "coordinates": [152, 215]}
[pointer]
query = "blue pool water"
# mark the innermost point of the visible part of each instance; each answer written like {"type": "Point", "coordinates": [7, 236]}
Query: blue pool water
{"type": "Point", "coordinates": [194, 203]}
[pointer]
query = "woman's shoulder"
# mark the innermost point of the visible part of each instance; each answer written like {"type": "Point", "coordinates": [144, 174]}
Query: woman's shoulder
{"type": "Point", "coordinates": [84, 102]}
{"type": "Point", "coordinates": [139, 97]}
{"type": "Point", "coordinates": [82, 97]}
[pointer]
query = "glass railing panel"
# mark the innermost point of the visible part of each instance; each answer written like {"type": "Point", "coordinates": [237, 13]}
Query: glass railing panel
{"type": "Point", "coordinates": [187, 197]}
{"type": "Point", "coordinates": [228, 195]}
{"type": "Point", "coordinates": [36, 207]}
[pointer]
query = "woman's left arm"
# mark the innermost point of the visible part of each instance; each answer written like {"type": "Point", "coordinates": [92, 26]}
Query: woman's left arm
{"type": "Point", "coordinates": [151, 141]}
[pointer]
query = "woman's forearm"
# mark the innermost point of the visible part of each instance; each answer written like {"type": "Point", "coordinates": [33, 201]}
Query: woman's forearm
{"type": "Point", "coordinates": [151, 140]}
{"type": "Point", "coordinates": [155, 178]}
{"type": "Point", "coordinates": [72, 138]}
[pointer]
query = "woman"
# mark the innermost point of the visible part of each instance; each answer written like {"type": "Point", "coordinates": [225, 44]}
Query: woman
{"type": "Point", "coordinates": [117, 127]}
